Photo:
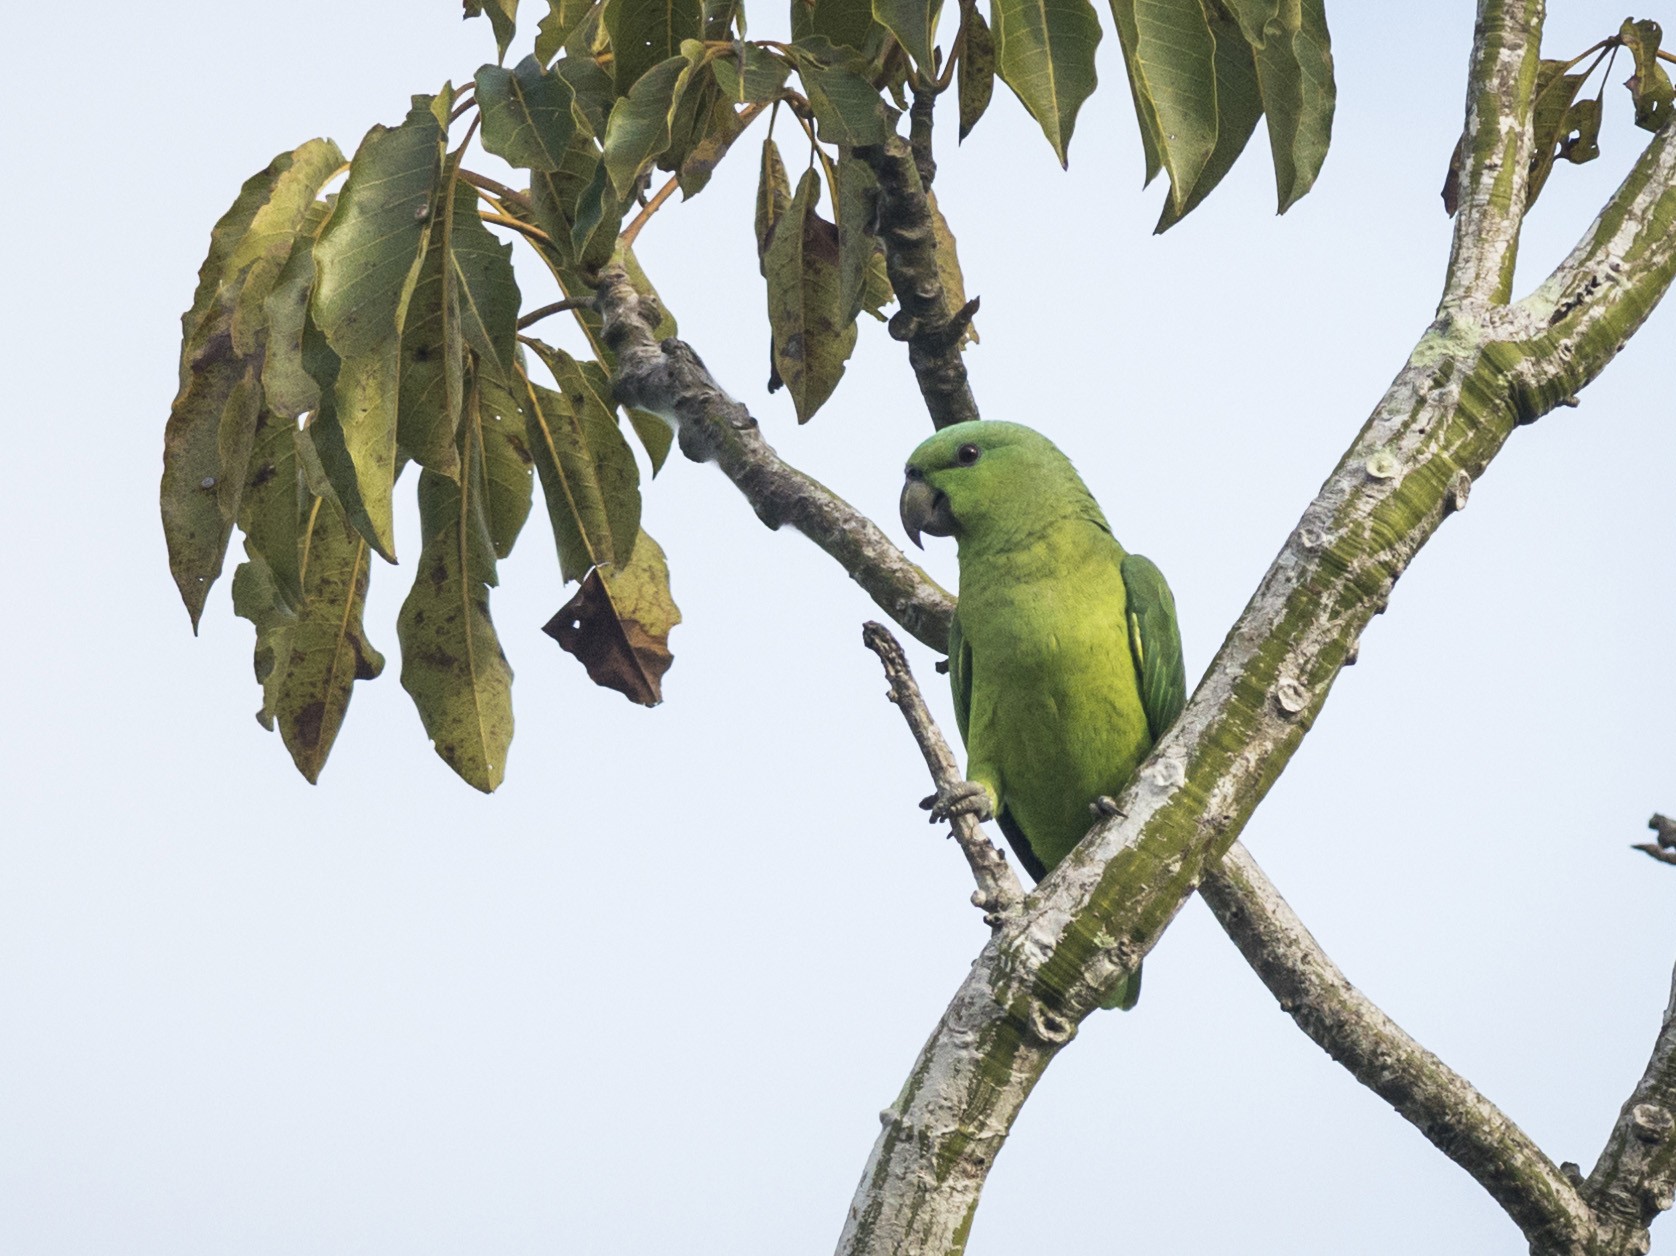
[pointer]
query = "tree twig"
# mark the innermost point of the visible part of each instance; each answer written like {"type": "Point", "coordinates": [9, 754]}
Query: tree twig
{"type": "Point", "coordinates": [1663, 848]}
{"type": "Point", "coordinates": [933, 332]}
{"type": "Point", "coordinates": [669, 380]}
{"type": "Point", "coordinates": [545, 311]}
{"type": "Point", "coordinates": [1426, 1092]}
{"type": "Point", "coordinates": [631, 233]}
{"type": "Point", "coordinates": [999, 892]}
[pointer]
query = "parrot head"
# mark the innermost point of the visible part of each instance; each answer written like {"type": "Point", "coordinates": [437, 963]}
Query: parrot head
{"type": "Point", "coordinates": [985, 477]}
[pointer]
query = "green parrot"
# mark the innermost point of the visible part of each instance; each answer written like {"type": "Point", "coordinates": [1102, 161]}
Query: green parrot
{"type": "Point", "coordinates": [1064, 654]}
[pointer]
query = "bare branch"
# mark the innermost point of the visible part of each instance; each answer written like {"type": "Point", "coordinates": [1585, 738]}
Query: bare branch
{"type": "Point", "coordinates": [999, 893]}
{"type": "Point", "coordinates": [1495, 153]}
{"type": "Point", "coordinates": [932, 330]}
{"type": "Point", "coordinates": [1425, 1091]}
{"type": "Point", "coordinates": [669, 380]}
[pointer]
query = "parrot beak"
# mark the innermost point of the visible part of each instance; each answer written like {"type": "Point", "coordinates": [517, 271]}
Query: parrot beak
{"type": "Point", "coordinates": [924, 509]}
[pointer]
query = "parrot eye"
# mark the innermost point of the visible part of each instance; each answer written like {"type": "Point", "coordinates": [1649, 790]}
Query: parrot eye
{"type": "Point", "coordinates": [914, 473]}
{"type": "Point", "coordinates": [968, 454]}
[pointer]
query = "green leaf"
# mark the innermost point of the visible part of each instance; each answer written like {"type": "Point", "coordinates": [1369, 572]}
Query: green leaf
{"type": "Point", "coordinates": [368, 261]}
{"type": "Point", "coordinates": [1650, 86]}
{"type": "Point", "coordinates": [593, 89]}
{"type": "Point", "coordinates": [948, 266]}
{"type": "Point", "coordinates": [599, 219]}
{"type": "Point", "coordinates": [1239, 105]}
{"type": "Point", "coordinates": [287, 388]}
{"type": "Point", "coordinates": [503, 15]}
{"type": "Point", "coordinates": [858, 205]}
{"type": "Point", "coordinates": [430, 380]}
{"type": "Point", "coordinates": [212, 421]}
{"type": "Point", "coordinates": [914, 23]}
{"type": "Point", "coordinates": [618, 624]}
{"type": "Point", "coordinates": [1044, 51]}
{"type": "Point", "coordinates": [639, 127]}
{"type": "Point", "coordinates": [719, 129]}
{"type": "Point", "coordinates": [843, 23]}
{"type": "Point", "coordinates": [848, 111]}
{"type": "Point", "coordinates": [749, 73]}
{"type": "Point", "coordinates": [1295, 78]}
{"type": "Point", "coordinates": [975, 75]}
{"type": "Point", "coordinates": [587, 470]}
{"type": "Point", "coordinates": [773, 198]}
{"type": "Point", "coordinates": [272, 511]}
{"type": "Point", "coordinates": [452, 664]}
{"type": "Point", "coordinates": [645, 33]}
{"type": "Point", "coordinates": [1580, 134]}
{"type": "Point", "coordinates": [310, 652]}
{"type": "Point", "coordinates": [485, 285]}
{"type": "Point", "coordinates": [563, 17]}
{"type": "Point", "coordinates": [1551, 117]}
{"type": "Point", "coordinates": [527, 118]}
{"type": "Point", "coordinates": [814, 331]}
{"type": "Point", "coordinates": [508, 465]}
{"type": "Point", "coordinates": [1170, 55]}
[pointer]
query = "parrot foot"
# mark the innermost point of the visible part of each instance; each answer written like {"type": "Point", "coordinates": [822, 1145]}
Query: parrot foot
{"type": "Point", "coordinates": [968, 798]}
{"type": "Point", "coordinates": [1104, 807]}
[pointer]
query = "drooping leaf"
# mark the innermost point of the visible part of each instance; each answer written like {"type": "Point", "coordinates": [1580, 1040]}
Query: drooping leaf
{"type": "Point", "coordinates": [588, 475]}
{"type": "Point", "coordinates": [1239, 105]}
{"type": "Point", "coordinates": [309, 653]}
{"type": "Point", "coordinates": [948, 266]}
{"type": "Point", "coordinates": [1170, 54]}
{"type": "Point", "coordinates": [639, 127]}
{"type": "Point", "coordinates": [698, 109]}
{"type": "Point", "coordinates": [1580, 133]}
{"type": "Point", "coordinates": [486, 287]}
{"type": "Point", "coordinates": [452, 663]}
{"type": "Point", "coordinates": [368, 261]}
{"type": "Point", "coordinates": [1550, 118]}
{"type": "Point", "coordinates": [975, 75]}
{"type": "Point", "coordinates": [858, 205]}
{"type": "Point", "coordinates": [430, 380]}
{"type": "Point", "coordinates": [848, 111]}
{"type": "Point", "coordinates": [1650, 85]}
{"type": "Point", "coordinates": [646, 33]}
{"type": "Point", "coordinates": [914, 23]}
{"type": "Point", "coordinates": [814, 331]}
{"type": "Point", "coordinates": [843, 23]}
{"type": "Point", "coordinates": [212, 421]}
{"type": "Point", "coordinates": [773, 198]}
{"type": "Point", "coordinates": [721, 127]}
{"type": "Point", "coordinates": [1044, 51]}
{"type": "Point", "coordinates": [749, 73]}
{"type": "Point", "coordinates": [618, 624]}
{"type": "Point", "coordinates": [592, 88]}
{"type": "Point", "coordinates": [508, 465]}
{"type": "Point", "coordinates": [724, 19]}
{"type": "Point", "coordinates": [563, 17]}
{"type": "Point", "coordinates": [287, 388]}
{"type": "Point", "coordinates": [272, 511]}
{"type": "Point", "coordinates": [1295, 77]}
{"type": "Point", "coordinates": [527, 118]}
{"type": "Point", "coordinates": [599, 218]}
{"type": "Point", "coordinates": [503, 16]}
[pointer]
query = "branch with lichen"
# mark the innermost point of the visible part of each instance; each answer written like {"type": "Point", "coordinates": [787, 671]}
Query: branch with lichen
{"type": "Point", "coordinates": [998, 894]}
{"type": "Point", "coordinates": [668, 379]}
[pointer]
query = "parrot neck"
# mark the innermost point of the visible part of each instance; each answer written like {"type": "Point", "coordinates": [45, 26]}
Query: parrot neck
{"type": "Point", "coordinates": [1063, 544]}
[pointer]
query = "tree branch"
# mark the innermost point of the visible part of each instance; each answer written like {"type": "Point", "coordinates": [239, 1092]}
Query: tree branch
{"type": "Point", "coordinates": [999, 893]}
{"type": "Point", "coordinates": [1471, 379]}
{"type": "Point", "coordinates": [1495, 152]}
{"type": "Point", "coordinates": [669, 380]}
{"type": "Point", "coordinates": [932, 330]}
{"type": "Point", "coordinates": [1425, 1091]}
{"type": "Point", "coordinates": [1635, 1177]}
{"type": "Point", "coordinates": [1663, 848]}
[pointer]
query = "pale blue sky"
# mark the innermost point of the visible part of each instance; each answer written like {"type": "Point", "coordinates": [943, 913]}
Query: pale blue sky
{"type": "Point", "coordinates": [652, 995]}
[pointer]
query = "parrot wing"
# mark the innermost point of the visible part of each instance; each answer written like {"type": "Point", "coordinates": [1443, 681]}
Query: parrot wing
{"type": "Point", "coordinates": [1155, 642]}
{"type": "Point", "coordinates": [960, 681]}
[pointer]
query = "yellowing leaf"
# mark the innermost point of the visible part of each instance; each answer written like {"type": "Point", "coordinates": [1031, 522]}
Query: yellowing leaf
{"type": "Point", "coordinates": [618, 624]}
{"type": "Point", "coordinates": [814, 330]}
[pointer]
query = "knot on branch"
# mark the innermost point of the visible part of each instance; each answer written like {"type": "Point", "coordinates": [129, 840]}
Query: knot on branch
{"type": "Point", "coordinates": [1651, 1123]}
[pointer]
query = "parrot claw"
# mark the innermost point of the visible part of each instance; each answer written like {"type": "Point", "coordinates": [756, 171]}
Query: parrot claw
{"type": "Point", "coordinates": [1104, 807]}
{"type": "Point", "coordinates": [966, 798]}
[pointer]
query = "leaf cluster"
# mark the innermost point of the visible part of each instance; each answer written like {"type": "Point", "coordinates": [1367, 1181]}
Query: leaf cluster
{"type": "Point", "coordinates": [357, 316]}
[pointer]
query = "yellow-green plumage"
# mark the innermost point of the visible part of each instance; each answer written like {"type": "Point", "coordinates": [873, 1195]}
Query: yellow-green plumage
{"type": "Point", "coordinates": [1064, 655]}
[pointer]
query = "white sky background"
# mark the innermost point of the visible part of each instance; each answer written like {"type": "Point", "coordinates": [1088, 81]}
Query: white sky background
{"type": "Point", "coordinates": [652, 995]}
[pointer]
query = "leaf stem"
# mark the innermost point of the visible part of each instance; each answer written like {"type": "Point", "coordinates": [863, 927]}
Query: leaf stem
{"type": "Point", "coordinates": [555, 307]}
{"type": "Point", "coordinates": [533, 232]}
